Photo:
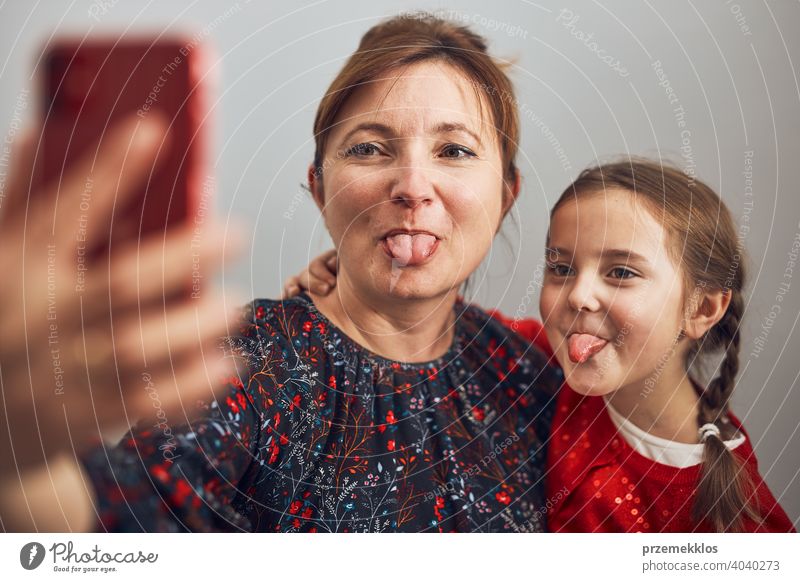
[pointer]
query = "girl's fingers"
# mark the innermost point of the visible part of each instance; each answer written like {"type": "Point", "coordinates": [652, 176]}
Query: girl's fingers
{"type": "Point", "coordinates": [318, 287]}
{"type": "Point", "coordinates": [291, 287]}
{"type": "Point", "coordinates": [303, 280]}
{"type": "Point", "coordinates": [319, 275]}
{"type": "Point", "coordinates": [332, 261]}
{"type": "Point", "coordinates": [321, 267]}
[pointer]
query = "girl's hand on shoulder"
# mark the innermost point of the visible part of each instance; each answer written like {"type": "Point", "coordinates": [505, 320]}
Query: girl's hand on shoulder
{"type": "Point", "coordinates": [319, 276]}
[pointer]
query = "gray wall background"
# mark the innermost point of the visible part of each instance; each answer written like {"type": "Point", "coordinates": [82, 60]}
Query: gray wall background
{"type": "Point", "coordinates": [733, 67]}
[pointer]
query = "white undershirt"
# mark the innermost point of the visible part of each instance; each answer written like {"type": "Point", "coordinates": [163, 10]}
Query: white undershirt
{"type": "Point", "coordinates": [658, 449]}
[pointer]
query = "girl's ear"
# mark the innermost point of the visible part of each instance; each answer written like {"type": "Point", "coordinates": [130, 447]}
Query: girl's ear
{"type": "Point", "coordinates": [315, 187]}
{"type": "Point", "coordinates": [705, 310]}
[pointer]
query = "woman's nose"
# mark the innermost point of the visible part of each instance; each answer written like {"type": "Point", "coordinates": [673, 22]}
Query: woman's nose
{"type": "Point", "coordinates": [412, 186]}
{"type": "Point", "coordinates": [582, 296]}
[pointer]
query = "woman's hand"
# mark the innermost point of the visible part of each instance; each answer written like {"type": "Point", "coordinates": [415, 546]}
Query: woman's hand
{"type": "Point", "coordinates": [80, 360]}
{"type": "Point", "coordinates": [319, 277]}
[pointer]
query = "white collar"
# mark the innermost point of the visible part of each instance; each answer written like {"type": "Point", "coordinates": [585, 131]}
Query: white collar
{"type": "Point", "coordinates": [658, 449]}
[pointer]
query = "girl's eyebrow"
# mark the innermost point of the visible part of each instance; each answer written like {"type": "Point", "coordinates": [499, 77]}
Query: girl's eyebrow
{"type": "Point", "coordinates": [624, 254]}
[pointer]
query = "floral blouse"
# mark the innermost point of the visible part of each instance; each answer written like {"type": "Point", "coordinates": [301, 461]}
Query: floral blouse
{"type": "Point", "coordinates": [317, 434]}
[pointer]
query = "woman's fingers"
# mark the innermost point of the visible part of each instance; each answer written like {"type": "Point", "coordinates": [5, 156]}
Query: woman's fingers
{"type": "Point", "coordinates": [104, 178]}
{"type": "Point", "coordinates": [82, 337]}
{"type": "Point", "coordinates": [15, 201]}
{"type": "Point", "coordinates": [176, 357]}
{"type": "Point", "coordinates": [173, 393]}
{"type": "Point", "coordinates": [42, 233]}
{"type": "Point", "coordinates": [181, 332]}
{"type": "Point", "coordinates": [158, 393]}
{"type": "Point", "coordinates": [160, 266]}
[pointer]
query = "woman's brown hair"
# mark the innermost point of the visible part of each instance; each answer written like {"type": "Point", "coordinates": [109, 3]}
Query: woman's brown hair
{"type": "Point", "coordinates": [703, 243]}
{"type": "Point", "coordinates": [412, 38]}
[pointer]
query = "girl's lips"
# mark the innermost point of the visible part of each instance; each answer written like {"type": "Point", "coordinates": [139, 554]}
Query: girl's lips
{"type": "Point", "coordinates": [583, 346]}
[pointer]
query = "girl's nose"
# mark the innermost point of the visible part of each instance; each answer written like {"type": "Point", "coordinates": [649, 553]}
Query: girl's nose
{"type": "Point", "coordinates": [582, 296]}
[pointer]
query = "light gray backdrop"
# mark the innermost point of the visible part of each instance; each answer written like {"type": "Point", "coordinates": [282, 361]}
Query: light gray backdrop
{"type": "Point", "coordinates": [593, 79]}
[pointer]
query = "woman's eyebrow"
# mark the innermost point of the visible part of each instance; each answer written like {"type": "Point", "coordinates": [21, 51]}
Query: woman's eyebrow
{"type": "Point", "coordinates": [369, 126]}
{"type": "Point", "coordinates": [451, 127]}
{"type": "Point", "coordinates": [385, 130]}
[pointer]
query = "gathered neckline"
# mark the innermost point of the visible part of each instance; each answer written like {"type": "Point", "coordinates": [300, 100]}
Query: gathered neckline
{"type": "Point", "coordinates": [452, 353]}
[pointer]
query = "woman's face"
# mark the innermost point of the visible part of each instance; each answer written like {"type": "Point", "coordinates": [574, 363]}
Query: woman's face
{"type": "Point", "coordinates": [411, 184]}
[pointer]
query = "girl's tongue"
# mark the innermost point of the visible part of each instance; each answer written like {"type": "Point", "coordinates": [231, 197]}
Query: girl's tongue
{"type": "Point", "coordinates": [410, 249]}
{"type": "Point", "coordinates": [583, 346]}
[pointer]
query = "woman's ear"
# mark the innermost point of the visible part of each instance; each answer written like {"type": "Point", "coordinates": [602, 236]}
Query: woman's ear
{"type": "Point", "coordinates": [705, 310]}
{"type": "Point", "coordinates": [511, 190]}
{"type": "Point", "coordinates": [315, 187]}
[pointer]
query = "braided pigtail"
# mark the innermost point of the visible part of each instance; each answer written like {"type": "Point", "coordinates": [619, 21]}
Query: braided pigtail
{"type": "Point", "coordinates": [725, 488]}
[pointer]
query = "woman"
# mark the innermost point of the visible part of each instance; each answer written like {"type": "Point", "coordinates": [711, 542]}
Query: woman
{"type": "Point", "coordinates": [389, 405]}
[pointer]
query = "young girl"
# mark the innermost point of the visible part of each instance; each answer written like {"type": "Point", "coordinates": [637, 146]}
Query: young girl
{"type": "Point", "coordinates": [644, 276]}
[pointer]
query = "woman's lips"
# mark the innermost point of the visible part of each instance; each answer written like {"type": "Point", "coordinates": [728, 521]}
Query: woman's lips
{"type": "Point", "coordinates": [410, 249]}
{"type": "Point", "coordinates": [583, 346]}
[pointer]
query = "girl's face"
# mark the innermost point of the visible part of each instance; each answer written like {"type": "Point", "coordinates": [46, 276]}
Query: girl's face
{"type": "Point", "coordinates": [412, 184]}
{"type": "Point", "coordinates": [612, 300]}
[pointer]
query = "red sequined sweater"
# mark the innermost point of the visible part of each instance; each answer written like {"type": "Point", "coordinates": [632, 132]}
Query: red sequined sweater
{"type": "Point", "coordinates": [596, 482]}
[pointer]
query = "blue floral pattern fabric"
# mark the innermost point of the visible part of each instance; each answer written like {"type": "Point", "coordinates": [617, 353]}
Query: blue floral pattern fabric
{"type": "Point", "coordinates": [317, 434]}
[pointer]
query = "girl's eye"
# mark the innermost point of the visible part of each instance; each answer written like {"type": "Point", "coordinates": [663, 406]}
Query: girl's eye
{"type": "Point", "coordinates": [452, 152]}
{"type": "Point", "coordinates": [365, 149]}
{"type": "Point", "coordinates": [622, 273]}
{"type": "Point", "coordinates": [559, 269]}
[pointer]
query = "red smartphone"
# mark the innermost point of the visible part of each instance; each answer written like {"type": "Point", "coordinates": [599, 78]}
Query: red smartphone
{"type": "Point", "coordinates": [89, 84]}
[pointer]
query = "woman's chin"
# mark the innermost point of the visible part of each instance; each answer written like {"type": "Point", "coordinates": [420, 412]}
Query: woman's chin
{"type": "Point", "coordinates": [411, 282]}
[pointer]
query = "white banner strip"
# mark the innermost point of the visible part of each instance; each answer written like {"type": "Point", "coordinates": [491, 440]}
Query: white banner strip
{"type": "Point", "coordinates": [401, 557]}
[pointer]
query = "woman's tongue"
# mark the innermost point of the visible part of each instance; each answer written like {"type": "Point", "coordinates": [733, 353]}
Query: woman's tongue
{"type": "Point", "coordinates": [410, 249]}
{"type": "Point", "coordinates": [583, 346]}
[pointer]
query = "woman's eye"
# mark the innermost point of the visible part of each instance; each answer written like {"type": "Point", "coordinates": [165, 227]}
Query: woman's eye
{"type": "Point", "coordinates": [559, 269]}
{"type": "Point", "coordinates": [365, 149]}
{"type": "Point", "coordinates": [622, 273]}
{"type": "Point", "coordinates": [452, 151]}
